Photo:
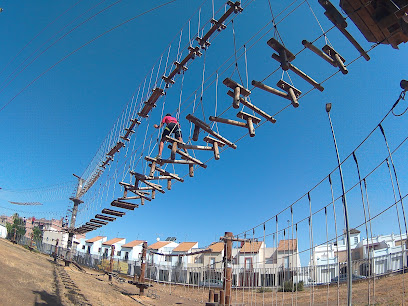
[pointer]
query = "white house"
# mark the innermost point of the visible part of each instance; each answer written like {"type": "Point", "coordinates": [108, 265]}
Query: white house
{"type": "Point", "coordinates": [51, 235]}
{"type": "Point", "coordinates": [132, 250]}
{"type": "Point", "coordinates": [162, 247]}
{"type": "Point", "coordinates": [3, 231]}
{"type": "Point", "coordinates": [93, 246]}
{"type": "Point", "coordinates": [181, 249]}
{"type": "Point", "coordinates": [107, 246]}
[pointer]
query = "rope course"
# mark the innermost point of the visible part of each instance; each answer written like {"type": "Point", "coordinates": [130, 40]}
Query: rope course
{"type": "Point", "coordinates": [125, 174]}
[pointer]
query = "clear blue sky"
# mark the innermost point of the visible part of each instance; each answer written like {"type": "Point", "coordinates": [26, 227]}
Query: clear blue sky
{"type": "Point", "coordinates": [57, 124]}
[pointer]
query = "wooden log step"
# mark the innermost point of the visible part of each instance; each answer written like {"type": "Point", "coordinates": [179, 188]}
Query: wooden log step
{"type": "Point", "coordinates": [113, 212]}
{"type": "Point", "coordinates": [129, 198]}
{"type": "Point", "coordinates": [106, 218]}
{"type": "Point", "coordinates": [174, 176]}
{"type": "Point", "coordinates": [270, 89]}
{"type": "Point", "coordinates": [337, 58]}
{"type": "Point", "coordinates": [318, 52]}
{"type": "Point", "coordinates": [193, 147]}
{"type": "Point", "coordinates": [284, 55]}
{"type": "Point", "coordinates": [300, 73]}
{"type": "Point", "coordinates": [251, 120]}
{"type": "Point", "coordinates": [124, 205]}
{"type": "Point", "coordinates": [171, 161]}
{"type": "Point", "coordinates": [216, 145]}
{"type": "Point", "coordinates": [238, 91]}
{"type": "Point", "coordinates": [151, 102]}
{"type": "Point", "coordinates": [227, 121]}
{"type": "Point", "coordinates": [193, 52]}
{"type": "Point", "coordinates": [205, 127]}
{"type": "Point", "coordinates": [145, 180]}
{"type": "Point", "coordinates": [142, 195]}
{"type": "Point", "coordinates": [235, 7]}
{"type": "Point", "coordinates": [116, 148]}
{"type": "Point", "coordinates": [293, 93]}
{"type": "Point", "coordinates": [93, 224]}
{"type": "Point", "coordinates": [255, 109]}
{"type": "Point", "coordinates": [340, 22]}
{"type": "Point", "coordinates": [99, 221]}
{"type": "Point", "coordinates": [188, 157]}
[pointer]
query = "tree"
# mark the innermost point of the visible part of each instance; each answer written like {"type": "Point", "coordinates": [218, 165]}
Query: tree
{"type": "Point", "coordinates": [37, 233]}
{"type": "Point", "coordinates": [17, 227]}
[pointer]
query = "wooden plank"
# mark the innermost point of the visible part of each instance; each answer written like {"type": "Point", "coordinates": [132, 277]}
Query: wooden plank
{"type": "Point", "coordinates": [337, 58]}
{"type": "Point", "coordinates": [124, 205]}
{"type": "Point", "coordinates": [113, 212]}
{"type": "Point", "coordinates": [151, 102]}
{"type": "Point", "coordinates": [193, 147]}
{"type": "Point", "coordinates": [278, 47]}
{"type": "Point", "coordinates": [170, 161]}
{"type": "Point", "coordinates": [206, 128]}
{"type": "Point", "coordinates": [129, 198]}
{"type": "Point", "coordinates": [93, 224]}
{"type": "Point", "coordinates": [99, 221]}
{"type": "Point", "coordinates": [255, 109]}
{"type": "Point", "coordinates": [243, 115]}
{"type": "Point", "coordinates": [106, 218]}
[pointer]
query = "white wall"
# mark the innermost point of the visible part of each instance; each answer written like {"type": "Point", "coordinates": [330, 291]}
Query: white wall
{"type": "Point", "coordinates": [3, 231]}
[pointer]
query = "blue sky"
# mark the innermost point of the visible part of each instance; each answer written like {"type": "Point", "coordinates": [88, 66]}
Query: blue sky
{"type": "Point", "coordinates": [55, 126]}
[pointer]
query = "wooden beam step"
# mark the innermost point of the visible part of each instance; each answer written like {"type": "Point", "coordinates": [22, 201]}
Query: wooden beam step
{"type": "Point", "coordinates": [188, 157]}
{"type": "Point", "coordinates": [174, 176]}
{"type": "Point", "coordinates": [113, 212]}
{"type": "Point", "coordinates": [93, 224]}
{"type": "Point", "coordinates": [99, 221]}
{"type": "Point", "coordinates": [124, 205]}
{"type": "Point", "coordinates": [205, 127]}
{"type": "Point", "coordinates": [106, 218]}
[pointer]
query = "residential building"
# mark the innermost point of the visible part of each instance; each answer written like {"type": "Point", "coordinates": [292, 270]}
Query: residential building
{"type": "Point", "coordinates": [94, 245]}
{"type": "Point", "coordinates": [107, 247]}
{"type": "Point", "coordinates": [132, 250]}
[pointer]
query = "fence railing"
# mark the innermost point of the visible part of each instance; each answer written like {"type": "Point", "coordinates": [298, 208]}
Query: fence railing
{"type": "Point", "coordinates": [241, 277]}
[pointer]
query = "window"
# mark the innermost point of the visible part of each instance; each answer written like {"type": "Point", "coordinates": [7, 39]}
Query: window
{"type": "Point", "coordinates": [99, 250]}
{"type": "Point", "coordinates": [355, 240]}
{"type": "Point", "coordinates": [167, 258]}
{"type": "Point", "coordinates": [126, 255]}
{"type": "Point", "coordinates": [212, 262]}
{"type": "Point", "coordinates": [118, 253]}
{"type": "Point", "coordinates": [248, 263]}
{"type": "Point", "coordinates": [286, 262]}
{"type": "Point", "coordinates": [83, 247]}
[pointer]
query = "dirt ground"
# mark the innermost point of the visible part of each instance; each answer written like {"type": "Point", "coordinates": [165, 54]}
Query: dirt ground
{"type": "Point", "coordinates": [29, 278]}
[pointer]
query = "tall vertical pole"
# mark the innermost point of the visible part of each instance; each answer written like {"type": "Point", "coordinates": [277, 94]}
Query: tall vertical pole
{"type": "Point", "coordinates": [111, 261]}
{"type": "Point", "coordinates": [76, 201]}
{"type": "Point", "coordinates": [343, 197]}
{"type": "Point", "coordinates": [142, 269]}
{"type": "Point", "coordinates": [228, 267]}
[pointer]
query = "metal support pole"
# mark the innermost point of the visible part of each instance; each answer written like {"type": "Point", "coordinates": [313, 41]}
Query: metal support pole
{"type": "Point", "coordinates": [76, 201]}
{"type": "Point", "coordinates": [228, 267]}
{"type": "Point", "coordinates": [349, 271]}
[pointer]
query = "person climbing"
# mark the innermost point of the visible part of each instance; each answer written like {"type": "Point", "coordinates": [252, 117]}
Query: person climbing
{"type": "Point", "coordinates": [172, 127]}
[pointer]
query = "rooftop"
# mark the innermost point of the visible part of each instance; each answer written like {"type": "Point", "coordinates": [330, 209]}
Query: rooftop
{"type": "Point", "coordinates": [113, 241]}
{"type": "Point", "coordinates": [132, 243]}
{"type": "Point", "coordinates": [287, 245]}
{"type": "Point", "coordinates": [216, 247]}
{"type": "Point", "coordinates": [158, 245]}
{"type": "Point", "coordinates": [185, 246]}
{"type": "Point", "coordinates": [251, 247]}
{"type": "Point", "coordinates": [94, 239]}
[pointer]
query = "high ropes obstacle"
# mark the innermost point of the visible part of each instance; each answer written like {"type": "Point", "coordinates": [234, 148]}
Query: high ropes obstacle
{"type": "Point", "coordinates": [144, 189]}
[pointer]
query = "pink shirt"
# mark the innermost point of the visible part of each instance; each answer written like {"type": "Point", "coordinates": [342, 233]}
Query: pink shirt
{"type": "Point", "coordinates": [169, 119]}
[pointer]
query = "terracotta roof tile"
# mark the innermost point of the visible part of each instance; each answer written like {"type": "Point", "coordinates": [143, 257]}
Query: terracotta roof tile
{"type": "Point", "coordinates": [94, 239]}
{"type": "Point", "coordinates": [112, 241]}
{"type": "Point", "coordinates": [251, 247]}
{"type": "Point", "coordinates": [184, 246]}
{"type": "Point", "coordinates": [216, 247]}
{"type": "Point", "coordinates": [132, 243]}
{"type": "Point", "coordinates": [287, 245]}
{"type": "Point", "coordinates": [158, 245]}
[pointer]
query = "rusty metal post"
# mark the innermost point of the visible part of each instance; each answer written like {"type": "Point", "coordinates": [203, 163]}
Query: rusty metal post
{"type": "Point", "coordinates": [111, 261]}
{"type": "Point", "coordinates": [142, 269]}
{"type": "Point", "coordinates": [228, 267]}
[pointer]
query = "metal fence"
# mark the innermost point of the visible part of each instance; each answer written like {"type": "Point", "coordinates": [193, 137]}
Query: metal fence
{"type": "Point", "coordinates": [241, 277]}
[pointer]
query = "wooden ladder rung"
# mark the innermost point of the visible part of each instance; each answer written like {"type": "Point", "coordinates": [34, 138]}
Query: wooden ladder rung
{"type": "Point", "coordinates": [174, 176]}
{"type": "Point", "coordinates": [93, 224]}
{"type": "Point", "coordinates": [185, 156]}
{"type": "Point", "coordinates": [113, 212]}
{"type": "Point", "coordinates": [124, 205]}
{"type": "Point", "coordinates": [99, 221]}
{"type": "Point", "coordinates": [106, 218]}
